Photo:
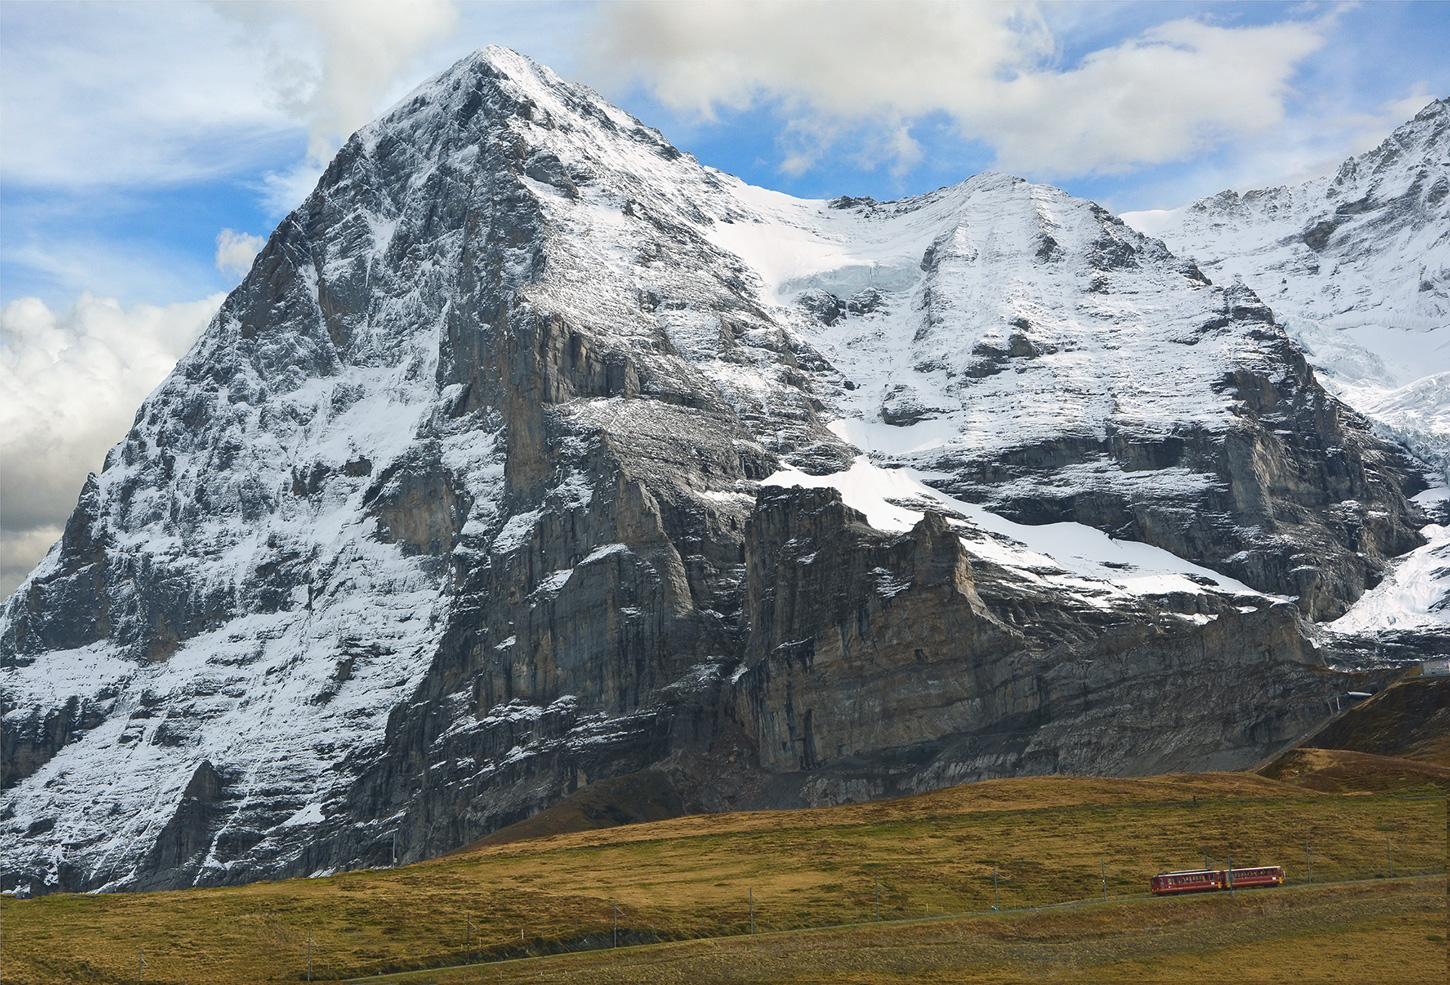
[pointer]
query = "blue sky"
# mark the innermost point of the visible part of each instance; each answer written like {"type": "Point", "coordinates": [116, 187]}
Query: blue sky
{"type": "Point", "coordinates": [139, 139]}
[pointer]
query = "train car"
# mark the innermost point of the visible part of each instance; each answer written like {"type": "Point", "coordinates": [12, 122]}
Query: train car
{"type": "Point", "coordinates": [1194, 881]}
{"type": "Point", "coordinates": [1209, 880]}
{"type": "Point", "coordinates": [1266, 875]}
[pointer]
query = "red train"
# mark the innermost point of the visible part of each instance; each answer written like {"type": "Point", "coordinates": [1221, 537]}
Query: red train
{"type": "Point", "coordinates": [1207, 880]}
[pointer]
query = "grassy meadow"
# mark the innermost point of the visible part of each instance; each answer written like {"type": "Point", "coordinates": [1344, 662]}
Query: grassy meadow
{"type": "Point", "coordinates": [1391, 931]}
{"type": "Point", "coordinates": [1049, 839]}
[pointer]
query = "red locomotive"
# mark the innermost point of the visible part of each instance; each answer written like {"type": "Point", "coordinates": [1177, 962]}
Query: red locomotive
{"type": "Point", "coordinates": [1207, 880]}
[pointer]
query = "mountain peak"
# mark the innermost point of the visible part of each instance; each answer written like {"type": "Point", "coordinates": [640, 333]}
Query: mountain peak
{"type": "Point", "coordinates": [1435, 108]}
{"type": "Point", "coordinates": [1401, 158]}
{"type": "Point", "coordinates": [506, 84]}
{"type": "Point", "coordinates": [526, 77]}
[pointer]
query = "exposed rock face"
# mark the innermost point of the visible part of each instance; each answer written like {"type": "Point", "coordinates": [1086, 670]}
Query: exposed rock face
{"type": "Point", "coordinates": [858, 639]}
{"type": "Point", "coordinates": [30, 739]}
{"type": "Point", "coordinates": [521, 459]}
{"type": "Point", "coordinates": [1357, 267]}
{"type": "Point", "coordinates": [1044, 387]}
{"type": "Point", "coordinates": [869, 648]}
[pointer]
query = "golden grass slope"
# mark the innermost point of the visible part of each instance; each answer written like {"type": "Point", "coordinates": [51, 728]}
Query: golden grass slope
{"type": "Point", "coordinates": [1050, 839]}
{"type": "Point", "coordinates": [1410, 719]}
{"type": "Point", "coordinates": [1362, 933]}
{"type": "Point", "coordinates": [1343, 771]}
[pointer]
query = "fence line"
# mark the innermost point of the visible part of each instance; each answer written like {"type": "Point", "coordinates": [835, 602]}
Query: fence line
{"type": "Point", "coordinates": [635, 937]}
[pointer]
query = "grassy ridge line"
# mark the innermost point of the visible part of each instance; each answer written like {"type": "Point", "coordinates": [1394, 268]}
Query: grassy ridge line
{"type": "Point", "coordinates": [1394, 930]}
{"type": "Point", "coordinates": [689, 878]}
{"type": "Point", "coordinates": [1409, 721]}
{"type": "Point", "coordinates": [1006, 795]}
{"type": "Point", "coordinates": [1198, 789]}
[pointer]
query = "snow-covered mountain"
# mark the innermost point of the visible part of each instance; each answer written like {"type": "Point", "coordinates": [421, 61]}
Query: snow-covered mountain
{"type": "Point", "coordinates": [1356, 267]}
{"type": "Point", "coordinates": [532, 452]}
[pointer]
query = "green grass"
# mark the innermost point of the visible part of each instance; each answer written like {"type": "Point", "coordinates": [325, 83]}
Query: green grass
{"type": "Point", "coordinates": [690, 878]}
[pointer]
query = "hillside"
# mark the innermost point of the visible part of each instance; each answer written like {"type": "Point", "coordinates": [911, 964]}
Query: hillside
{"type": "Point", "coordinates": [1398, 738]}
{"type": "Point", "coordinates": [1326, 935]}
{"type": "Point", "coordinates": [1409, 719]}
{"type": "Point", "coordinates": [1341, 770]}
{"type": "Point", "coordinates": [1049, 840]}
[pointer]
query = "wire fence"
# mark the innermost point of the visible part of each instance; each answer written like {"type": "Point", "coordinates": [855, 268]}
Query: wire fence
{"type": "Point", "coordinates": [892, 907]}
{"type": "Point", "coordinates": [877, 901]}
{"type": "Point", "coordinates": [850, 892]}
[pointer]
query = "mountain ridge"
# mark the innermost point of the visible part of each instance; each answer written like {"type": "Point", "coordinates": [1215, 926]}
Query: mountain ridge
{"type": "Point", "coordinates": [1356, 265]}
{"type": "Point", "coordinates": [530, 453]}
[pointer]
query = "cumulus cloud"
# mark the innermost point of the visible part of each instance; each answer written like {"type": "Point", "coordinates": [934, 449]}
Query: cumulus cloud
{"type": "Point", "coordinates": [331, 62]}
{"type": "Point", "coordinates": [72, 381]}
{"type": "Point", "coordinates": [235, 251]}
{"type": "Point", "coordinates": [1163, 95]}
{"type": "Point", "coordinates": [1176, 90]}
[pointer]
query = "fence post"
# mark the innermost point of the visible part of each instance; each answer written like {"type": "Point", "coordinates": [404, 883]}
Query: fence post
{"type": "Point", "coordinates": [752, 910]}
{"type": "Point", "coordinates": [994, 887]}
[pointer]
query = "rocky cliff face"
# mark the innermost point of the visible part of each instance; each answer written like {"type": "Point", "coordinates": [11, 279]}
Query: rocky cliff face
{"type": "Point", "coordinates": [531, 453]}
{"type": "Point", "coordinates": [1356, 265]}
{"type": "Point", "coordinates": [914, 649]}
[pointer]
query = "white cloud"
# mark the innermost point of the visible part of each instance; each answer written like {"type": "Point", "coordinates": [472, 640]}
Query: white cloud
{"type": "Point", "coordinates": [331, 63]}
{"type": "Point", "coordinates": [235, 251]}
{"type": "Point", "coordinates": [148, 95]}
{"type": "Point", "coordinates": [130, 94]}
{"type": "Point", "coordinates": [1178, 89]}
{"type": "Point", "coordinates": [1172, 91]}
{"type": "Point", "coordinates": [71, 382]}
{"type": "Point", "coordinates": [847, 59]}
